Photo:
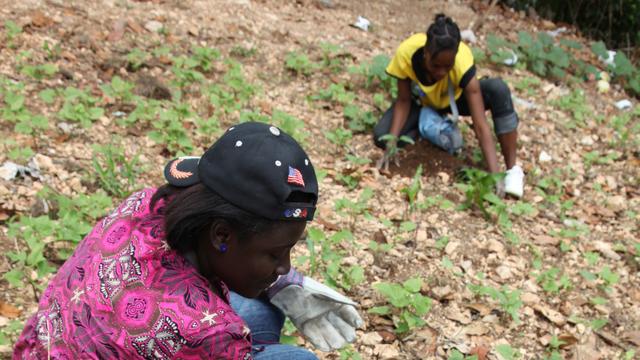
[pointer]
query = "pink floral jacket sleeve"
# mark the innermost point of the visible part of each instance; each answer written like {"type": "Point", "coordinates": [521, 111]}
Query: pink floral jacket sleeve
{"type": "Point", "coordinates": [124, 294]}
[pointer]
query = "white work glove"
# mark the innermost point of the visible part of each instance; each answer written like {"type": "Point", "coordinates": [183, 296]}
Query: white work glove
{"type": "Point", "coordinates": [325, 317]}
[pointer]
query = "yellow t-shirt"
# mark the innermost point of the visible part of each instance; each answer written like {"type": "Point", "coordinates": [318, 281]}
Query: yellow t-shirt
{"type": "Point", "coordinates": [407, 63]}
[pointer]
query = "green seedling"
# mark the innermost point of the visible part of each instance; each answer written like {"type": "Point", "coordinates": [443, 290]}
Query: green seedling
{"type": "Point", "coordinates": [329, 260]}
{"type": "Point", "coordinates": [114, 171]}
{"type": "Point", "coordinates": [576, 104]}
{"type": "Point", "coordinates": [80, 107]}
{"type": "Point", "coordinates": [15, 111]}
{"type": "Point", "coordinates": [339, 136]}
{"type": "Point", "coordinates": [20, 154]}
{"type": "Point", "coordinates": [136, 58]}
{"type": "Point", "coordinates": [374, 73]}
{"type": "Point", "coordinates": [119, 89]}
{"type": "Point", "coordinates": [392, 143]}
{"type": "Point", "coordinates": [243, 52]}
{"type": "Point", "coordinates": [357, 161]}
{"type": "Point", "coordinates": [411, 191]}
{"type": "Point", "coordinates": [205, 57]}
{"type": "Point", "coordinates": [12, 30]}
{"type": "Point", "coordinates": [457, 355]}
{"type": "Point", "coordinates": [349, 353]}
{"type": "Point", "coordinates": [144, 113]}
{"type": "Point", "coordinates": [185, 73]}
{"type": "Point", "coordinates": [528, 85]}
{"type": "Point", "coordinates": [48, 96]}
{"type": "Point", "coordinates": [336, 94]}
{"type": "Point", "coordinates": [552, 282]}
{"type": "Point", "coordinates": [52, 52]}
{"type": "Point", "coordinates": [300, 64]}
{"type": "Point", "coordinates": [355, 208]}
{"type": "Point", "coordinates": [359, 120]}
{"type": "Point", "coordinates": [39, 72]}
{"type": "Point", "coordinates": [408, 306]}
{"type": "Point", "coordinates": [509, 300]}
{"type": "Point", "coordinates": [331, 57]}
{"type": "Point", "coordinates": [507, 352]}
{"type": "Point", "coordinates": [170, 131]}
{"type": "Point", "coordinates": [608, 277]}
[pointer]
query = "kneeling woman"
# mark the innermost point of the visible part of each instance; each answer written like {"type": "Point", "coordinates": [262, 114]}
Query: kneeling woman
{"type": "Point", "coordinates": [199, 268]}
{"type": "Point", "coordinates": [442, 68]}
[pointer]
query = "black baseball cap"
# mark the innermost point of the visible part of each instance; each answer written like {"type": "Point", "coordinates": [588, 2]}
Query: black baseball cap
{"type": "Point", "coordinates": [256, 167]}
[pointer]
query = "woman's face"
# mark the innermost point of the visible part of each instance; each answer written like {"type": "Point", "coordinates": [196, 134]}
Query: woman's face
{"type": "Point", "coordinates": [251, 264]}
{"type": "Point", "coordinates": [439, 66]}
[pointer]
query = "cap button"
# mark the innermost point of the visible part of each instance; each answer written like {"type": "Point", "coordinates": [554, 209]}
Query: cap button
{"type": "Point", "coordinates": [275, 131]}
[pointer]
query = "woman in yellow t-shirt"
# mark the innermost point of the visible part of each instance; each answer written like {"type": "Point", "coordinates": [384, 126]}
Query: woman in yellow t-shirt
{"type": "Point", "coordinates": [442, 69]}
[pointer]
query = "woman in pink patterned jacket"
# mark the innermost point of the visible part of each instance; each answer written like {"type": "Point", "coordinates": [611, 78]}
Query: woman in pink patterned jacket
{"type": "Point", "coordinates": [152, 280]}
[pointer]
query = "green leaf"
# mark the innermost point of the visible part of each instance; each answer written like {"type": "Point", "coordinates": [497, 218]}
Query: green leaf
{"type": "Point", "coordinates": [507, 352]}
{"type": "Point", "coordinates": [47, 95]}
{"type": "Point", "coordinates": [600, 49]}
{"type": "Point", "coordinates": [15, 277]}
{"type": "Point", "coordinates": [380, 310]}
{"type": "Point", "coordinates": [407, 226]}
{"type": "Point", "coordinates": [413, 285]}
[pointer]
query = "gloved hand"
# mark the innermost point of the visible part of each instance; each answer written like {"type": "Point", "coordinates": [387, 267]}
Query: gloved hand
{"type": "Point", "coordinates": [390, 154]}
{"type": "Point", "coordinates": [325, 317]}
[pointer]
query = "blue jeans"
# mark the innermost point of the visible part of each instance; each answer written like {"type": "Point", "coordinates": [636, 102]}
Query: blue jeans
{"type": "Point", "coordinates": [265, 322]}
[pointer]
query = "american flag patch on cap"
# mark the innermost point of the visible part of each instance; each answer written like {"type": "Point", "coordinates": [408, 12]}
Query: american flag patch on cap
{"type": "Point", "coordinates": [295, 177]}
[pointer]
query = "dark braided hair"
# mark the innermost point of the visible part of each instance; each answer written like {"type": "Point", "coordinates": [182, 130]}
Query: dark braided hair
{"type": "Point", "coordinates": [442, 35]}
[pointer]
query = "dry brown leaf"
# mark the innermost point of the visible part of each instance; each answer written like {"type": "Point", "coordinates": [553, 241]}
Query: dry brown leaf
{"type": "Point", "coordinates": [480, 351]}
{"type": "Point", "coordinates": [609, 338]}
{"type": "Point", "coordinates": [387, 336]}
{"type": "Point", "coordinates": [633, 337]}
{"type": "Point", "coordinates": [546, 240]}
{"type": "Point", "coordinates": [135, 27]}
{"type": "Point", "coordinates": [552, 315]}
{"type": "Point", "coordinates": [476, 329]}
{"type": "Point", "coordinates": [567, 340]}
{"type": "Point", "coordinates": [38, 19]}
{"type": "Point", "coordinates": [117, 31]}
{"type": "Point", "coordinates": [480, 308]}
{"type": "Point", "coordinates": [9, 310]}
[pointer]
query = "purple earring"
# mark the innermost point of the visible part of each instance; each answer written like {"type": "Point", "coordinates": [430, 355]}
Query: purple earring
{"type": "Point", "coordinates": [223, 248]}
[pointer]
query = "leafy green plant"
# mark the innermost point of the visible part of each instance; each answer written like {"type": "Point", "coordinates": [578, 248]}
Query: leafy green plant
{"type": "Point", "coordinates": [329, 259]}
{"type": "Point", "coordinates": [411, 191]}
{"type": "Point", "coordinates": [39, 72]}
{"type": "Point", "coordinates": [552, 281]}
{"type": "Point", "coordinates": [119, 89]}
{"type": "Point", "coordinates": [299, 63]}
{"type": "Point", "coordinates": [392, 143]}
{"type": "Point", "coordinates": [145, 112]}
{"type": "Point", "coordinates": [185, 72]}
{"type": "Point", "coordinates": [15, 111]}
{"type": "Point", "coordinates": [339, 136]}
{"type": "Point", "coordinates": [205, 57]}
{"type": "Point", "coordinates": [507, 352]}
{"type": "Point", "coordinates": [479, 189]}
{"type": "Point", "coordinates": [80, 107]}
{"type": "Point", "coordinates": [355, 208]}
{"type": "Point", "coordinates": [509, 300]}
{"type": "Point", "coordinates": [622, 69]}
{"type": "Point", "coordinates": [114, 171]}
{"type": "Point", "coordinates": [358, 119]}
{"type": "Point", "coordinates": [136, 58]}
{"type": "Point", "coordinates": [335, 93]}
{"type": "Point", "coordinates": [408, 305]}
{"type": "Point", "coordinates": [576, 104]}
{"type": "Point", "coordinates": [374, 73]}
{"type": "Point", "coordinates": [12, 30]}
{"type": "Point", "coordinates": [170, 130]}
{"type": "Point", "coordinates": [331, 57]}
{"type": "Point", "coordinates": [349, 353]}
{"type": "Point", "coordinates": [457, 355]}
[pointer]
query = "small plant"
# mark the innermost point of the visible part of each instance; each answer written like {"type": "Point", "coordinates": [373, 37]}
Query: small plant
{"type": "Point", "coordinates": [576, 104]}
{"type": "Point", "coordinates": [479, 189]}
{"type": "Point", "coordinates": [336, 94]}
{"type": "Point", "coordinates": [119, 89]}
{"type": "Point", "coordinates": [358, 119]}
{"type": "Point", "coordinates": [185, 72]}
{"type": "Point", "coordinates": [170, 131]}
{"type": "Point", "coordinates": [115, 173]}
{"type": "Point", "coordinates": [299, 63]}
{"type": "Point", "coordinates": [622, 69]}
{"type": "Point", "coordinates": [205, 57]}
{"type": "Point", "coordinates": [136, 58]}
{"type": "Point", "coordinates": [243, 52]}
{"type": "Point", "coordinates": [552, 282]}
{"type": "Point", "coordinates": [411, 191]}
{"type": "Point", "coordinates": [331, 59]}
{"type": "Point", "coordinates": [12, 30]}
{"type": "Point", "coordinates": [457, 355]}
{"type": "Point", "coordinates": [79, 107]}
{"type": "Point", "coordinates": [509, 300]}
{"type": "Point", "coordinates": [339, 136]}
{"type": "Point", "coordinates": [355, 208]}
{"type": "Point", "coordinates": [408, 305]}
{"type": "Point", "coordinates": [375, 73]}
{"type": "Point", "coordinates": [507, 352]}
{"type": "Point", "coordinates": [39, 72]}
{"type": "Point", "coordinates": [392, 143]}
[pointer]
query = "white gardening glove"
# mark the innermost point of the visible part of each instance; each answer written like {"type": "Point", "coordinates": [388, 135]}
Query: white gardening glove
{"type": "Point", "coordinates": [325, 317]}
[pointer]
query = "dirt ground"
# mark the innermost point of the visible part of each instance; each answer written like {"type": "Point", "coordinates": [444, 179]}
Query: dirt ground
{"type": "Point", "coordinates": [589, 225]}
